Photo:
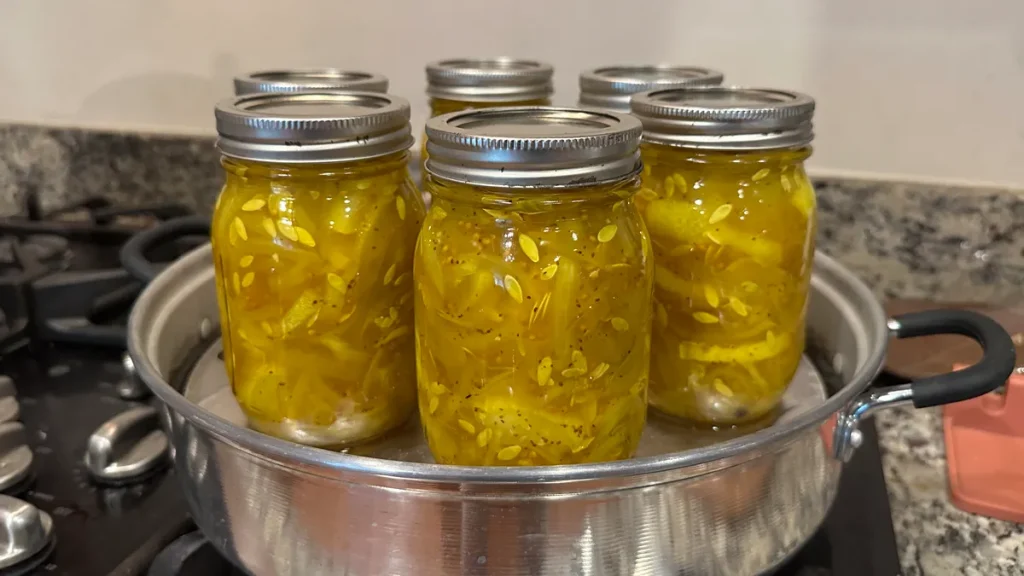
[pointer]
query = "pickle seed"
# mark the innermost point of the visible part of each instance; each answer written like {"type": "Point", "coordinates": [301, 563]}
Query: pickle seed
{"type": "Point", "coordinates": [548, 272]}
{"type": "Point", "coordinates": [787, 186]}
{"type": "Point", "coordinates": [236, 282]}
{"type": "Point", "coordinates": [268, 227]}
{"type": "Point", "coordinates": [240, 229]}
{"type": "Point", "coordinates": [711, 295]}
{"type": "Point", "coordinates": [513, 288]}
{"type": "Point", "coordinates": [254, 205]}
{"type": "Point", "coordinates": [245, 261]}
{"type": "Point", "coordinates": [509, 452]}
{"type": "Point", "coordinates": [720, 213]}
{"type": "Point", "coordinates": [681, 185]}
{"type": "Point", "coordinates": [761, 174]}
{"type": "Point", "coordinates": [607, 233]}
{"type": "Point", "coordinates": [400, 206]}
{"type": "Point", "coordinates": [467, 426]}
{"type": "Point", "coordinates": [433, 405]}
{"type": "Point", "coordinates": [738, 306]}
{"type": "Point", "coordinates": [600, 370]}
{"type": "Point", "coordinates": [484, 437]}
{"type": "Point", "coordinates": [544, 371]}
{"type": "Point", "coordinates": [389, 275]}
{"type": "Point", "coordinates": [304, 237]}
{"type": "Point", "coordinates": [248, 279]}
{"type": "Point", "coordinates": [620, 324]}
{"type": "Point", "coordinates": [529, 247]}
{"type": "Point", "coordinates": [705, 318]}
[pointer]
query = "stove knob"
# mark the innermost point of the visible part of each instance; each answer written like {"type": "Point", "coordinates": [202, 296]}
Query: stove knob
{"type": "Point", "coordinates": [127, 448]}
{"type": "Point", "coordinates": [15, 456]}
{"type": "Point", "coordinates": [9, 410]}
{"type": "Point", "coordinates": [131, 387]}
{"type": "Point", "coordinates": [26, 534]}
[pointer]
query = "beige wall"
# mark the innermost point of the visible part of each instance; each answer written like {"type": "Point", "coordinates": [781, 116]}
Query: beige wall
{"type": "Point", "coordinates": [921, 88]}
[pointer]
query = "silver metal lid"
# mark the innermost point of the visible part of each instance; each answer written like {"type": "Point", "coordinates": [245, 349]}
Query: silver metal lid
{"type": "Point", "coordinates": [533, 147]}
{"type": "Point", "coordinates": [489, 80]}
{"type": "Point", "coordinates": [313, 126]}
{"type": "Point", "coordinates": [612, 86]}
{"type": "Point", "coordinates": [309, 79]}
{"type": "Point", "coordinates": [726, 118]}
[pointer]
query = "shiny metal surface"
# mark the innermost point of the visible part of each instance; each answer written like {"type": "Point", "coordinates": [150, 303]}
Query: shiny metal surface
{"type": "Point", "coordinates": [736, 507]}
{"type": "Point", "coordinates": [611, 87]}
{"type": "Point", "coordinates": [725, 118]}
{"type": "Point", "coordinates": [15, 455]}
{"type": "Point", "coordinates": [130, 387]}
{"type": "Point", "coordinates": [847, 434]}
{"type": "Point", "coordinates": [533, 146]}
{"type": "Point", "coordinates": [313, 126]}
{"type": "Point", "coordinates": [127, 447]}
{"type": "Point", "coordinates": [9, 408]}
{"type": "Point", "coordinates": [489, 80]}
{"type": "Point", "coordinates": [287, 81]}
{"type": "Point", "coordinates": [25, 531]}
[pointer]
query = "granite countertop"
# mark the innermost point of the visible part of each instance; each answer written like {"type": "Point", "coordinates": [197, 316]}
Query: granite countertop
{"type": "Point", "coordinates": [934, 537]}
{"type": "Point", "coordinates": [906, 240]}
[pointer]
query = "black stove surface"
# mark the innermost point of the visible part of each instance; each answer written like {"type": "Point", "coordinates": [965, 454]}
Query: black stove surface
{"type": "Point", "coordinates": [66, 392]}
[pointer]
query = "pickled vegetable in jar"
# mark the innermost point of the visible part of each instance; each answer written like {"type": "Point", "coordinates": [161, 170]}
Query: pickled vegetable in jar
{"type": "Point", "coordinates": [313, 238]}
{"type": "Point", "coordinates": [475, 83]}
{"type": "Point", "coordinates": [534, 279]}
{"type": "Point", "coordinates": [731, 215]}
{"type": "Point", "coordinates": [313, 79]}
{"type": "Point", "coordinates": [611, 87]}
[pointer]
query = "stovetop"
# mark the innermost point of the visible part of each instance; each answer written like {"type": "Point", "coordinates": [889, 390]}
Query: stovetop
{"type": "Point", "coordinates": [105, 522]}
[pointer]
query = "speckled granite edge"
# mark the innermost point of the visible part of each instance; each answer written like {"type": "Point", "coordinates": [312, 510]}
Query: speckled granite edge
{"type": "Point", "coordinates": [904, 239]}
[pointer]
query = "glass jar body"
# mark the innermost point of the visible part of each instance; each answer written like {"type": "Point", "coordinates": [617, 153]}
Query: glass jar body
{"type": "Point", "coordinates": [733, 236]}
{"type": "Point", "coordinates": [314, 277]}
{"type": "Point", "coordinates": [532, 324]}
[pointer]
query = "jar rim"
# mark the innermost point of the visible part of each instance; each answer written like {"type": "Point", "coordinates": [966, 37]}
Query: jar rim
{"type": "Point", "coordinates": [612, 86]}
{"type": "Point", "coordinates": [313, 126]}
{"type": "Point", "coordinates": [533, 147]}
{"type": "Point", "coordinates": [306, 79]}
{"type": "Point", "coordinates": [725, 117]}
{"type": "Point", "coordinates": [499, 79]}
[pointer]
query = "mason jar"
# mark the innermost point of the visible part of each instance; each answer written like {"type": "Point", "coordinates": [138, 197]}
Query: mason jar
{"type": "Point", "coordinates": [313, 236]}
{"type": "Point", "coordinates": [473, 83]}
{"type": "Point", "coordinates": [611, 87]}
{"type": "Point", "coordinates": [731, 215]}
{"type": "Point", "coordinates": [311, 79]}
{"type": "Point", "coordinates": [534, 278]}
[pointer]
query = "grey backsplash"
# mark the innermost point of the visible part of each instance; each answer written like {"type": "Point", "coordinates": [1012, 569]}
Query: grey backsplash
{"type": "Point", "coordinates": [909, 240]}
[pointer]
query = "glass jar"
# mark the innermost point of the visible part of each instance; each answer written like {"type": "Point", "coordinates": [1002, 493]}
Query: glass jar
{"type": "Point", "coordinates": [732, 218]}
{"type": "Point", "coordinates": [611, 87]}
{"type": "Point", "coordinates": [534, 280]}
{"type": "Point", "coordinates": [284, 81]}
{"type": "Point", "coordinates": [470, 84]}
{"type": "Point", "coordinates": [313, 236]}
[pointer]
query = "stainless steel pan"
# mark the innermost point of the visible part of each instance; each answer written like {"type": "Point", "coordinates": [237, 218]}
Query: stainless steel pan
{"type": "Point", "coordinates": [740, 505]}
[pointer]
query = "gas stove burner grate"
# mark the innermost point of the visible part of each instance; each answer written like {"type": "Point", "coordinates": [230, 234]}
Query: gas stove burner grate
{"type": "Point", "coordinates": [51, 290]}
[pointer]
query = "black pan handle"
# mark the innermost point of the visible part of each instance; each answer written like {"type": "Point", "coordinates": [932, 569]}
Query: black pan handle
{"type": "Point", "coordinates": [996, 365]}
{"type": "Point", "coordinates": [134, 253]}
